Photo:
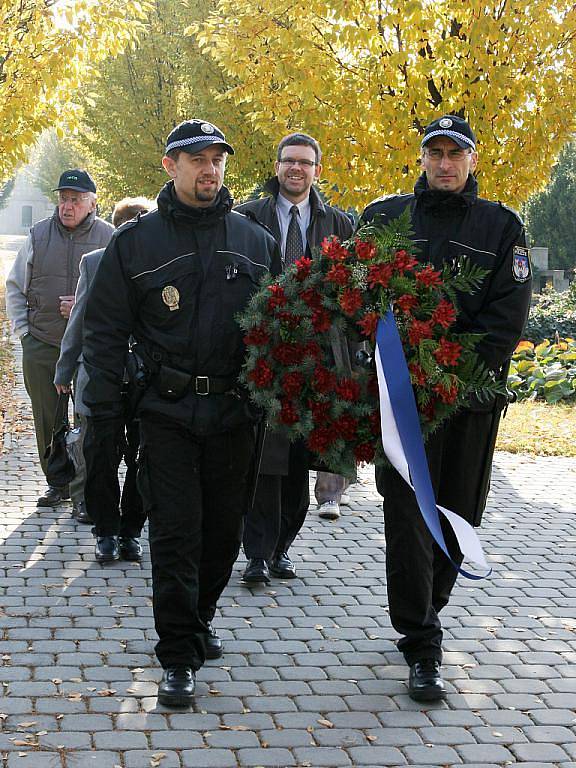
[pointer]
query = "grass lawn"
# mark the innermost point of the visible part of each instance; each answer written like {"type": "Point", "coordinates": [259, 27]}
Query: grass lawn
{"type": "Point", "coordinates": [539, 429]}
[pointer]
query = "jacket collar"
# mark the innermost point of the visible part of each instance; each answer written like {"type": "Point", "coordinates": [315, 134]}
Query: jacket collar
{"type": "Point", "coordinates": [171, 207]}
{"type": "Point", "coordinates": [437, 199]}
{"type": "Point", "coordinates": [317, 207]}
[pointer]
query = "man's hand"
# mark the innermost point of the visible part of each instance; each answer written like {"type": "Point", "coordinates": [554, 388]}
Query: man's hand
{"type": "Point", "coordinates": [63, 389]}
{"type": "Point", "coordinates": [66, 304]}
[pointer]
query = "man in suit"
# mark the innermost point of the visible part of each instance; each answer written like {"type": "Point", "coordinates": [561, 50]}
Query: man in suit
{"type": "Point", "coordinates": [96, 493]}
{"type": "Point", "coordinates": [299, 220]}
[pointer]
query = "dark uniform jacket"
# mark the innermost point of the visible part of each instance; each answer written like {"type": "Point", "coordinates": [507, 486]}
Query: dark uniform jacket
{"type": "Point", "coordinates": [450, 228]}
{"type": "Point", "coordinates": [324, 221]}
{"type": "Point", "coordinates": [175, 280]}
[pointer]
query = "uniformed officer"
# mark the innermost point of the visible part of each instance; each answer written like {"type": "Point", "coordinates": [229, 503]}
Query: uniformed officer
{"type": "Point", "coordinates": [175, 280]}
{"type": "Point", "coordinates": [451, 225]}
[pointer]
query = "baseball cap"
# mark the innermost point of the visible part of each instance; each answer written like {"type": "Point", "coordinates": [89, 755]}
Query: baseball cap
{"type": "Point", "coordinates": [76, 179]}
{"type": "Point", "coordinates": [455, 128]}
{"type": "Point", "coordinates": [193, 136]}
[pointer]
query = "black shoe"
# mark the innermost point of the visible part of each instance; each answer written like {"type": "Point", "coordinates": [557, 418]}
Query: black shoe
{"type": "Point", "coordinates": [80, 513]}
{"type": "Point", "coordinates": [425, 682]}
{"type": "Point", "coordinates": [256, 571]}
{"type": "Point", "coordinates": [177, 687]}
{"type": "Point", "coordinates": [107, 549]}
{"type": "Point", "coordinates": [130, 548]}
{"type": "Point", "coordinates": [282, 567]}
{"type": "Point", "coordinates": [53, 496]}
{"type": "Point", "coordinates": [213, 644]}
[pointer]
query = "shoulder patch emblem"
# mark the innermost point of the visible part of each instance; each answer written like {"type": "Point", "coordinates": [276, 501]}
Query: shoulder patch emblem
{"type": "Point", "coordinates": [521, 264]}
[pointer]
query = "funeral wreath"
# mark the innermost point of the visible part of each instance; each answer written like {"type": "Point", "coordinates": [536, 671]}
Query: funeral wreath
{"type": "Point", "coordinates": [311, 386]}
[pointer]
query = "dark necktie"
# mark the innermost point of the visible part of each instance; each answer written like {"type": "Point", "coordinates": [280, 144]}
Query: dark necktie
{"type": "Point", "coordinates": [294, 248]}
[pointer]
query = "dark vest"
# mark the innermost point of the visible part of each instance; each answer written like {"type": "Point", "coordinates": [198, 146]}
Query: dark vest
{"type": "Point", "coordinates": [55, 270]}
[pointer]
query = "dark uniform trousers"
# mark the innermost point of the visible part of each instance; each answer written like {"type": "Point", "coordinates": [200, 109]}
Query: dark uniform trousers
{"type": "Point", "coordinates": [104, 448]}
{"type": "Point", "coordinates": [280, 508]}
{"type": "Point", "coordinates": [420, 576]}
{"type": "Point", "coordinates": [194, 491]}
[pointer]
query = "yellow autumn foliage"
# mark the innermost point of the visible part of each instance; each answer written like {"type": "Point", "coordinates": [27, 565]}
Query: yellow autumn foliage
{"type": "Point", "coordinates": [366, 76]}
{"type": "Point", "coordinates": [47, 50]}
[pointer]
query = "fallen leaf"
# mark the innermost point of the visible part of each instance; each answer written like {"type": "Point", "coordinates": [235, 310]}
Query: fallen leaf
{"type": "Point", "coordinates": [28, 724]}
{"type": "Point", "coordinates": [327, 723]}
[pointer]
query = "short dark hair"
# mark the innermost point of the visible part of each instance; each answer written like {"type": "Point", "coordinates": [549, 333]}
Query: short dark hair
{"type": "Point", "coordinates": [174, 154]}
{"type": "Point", "coordinates": [300, 140]}
{"type": "Point", "coordinates": [129, 207]}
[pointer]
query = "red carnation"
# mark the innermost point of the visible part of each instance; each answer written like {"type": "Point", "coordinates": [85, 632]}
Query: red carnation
{"type": "Point", "coordinates": [292, 383]}
{"type": "Point", "coordinates": [321, 438]}
{"type": "Point", "coordinates": [380, 274]}
{"type": "Point", "coordinates": [429, 276]}
{"type": "Point", "coordinates": [448, 352]}
{"type": "Point", "coordinates": [350, 301]}
{"type": "Point", "coordinates": [339, 274]}
{"type": "Point", "coordinates": [311, 297]}
{"type": "Point", "coordinates": [257, 337]}
{"type": "Point", "coordinates": [374, 421]}
{"type": "Point", "coordinates": [403, 261]}
{"type": "Point", "coordinates": [418, 330]}
{"type": "Point", "coordinates": [262, 374]}
{"type": "Point", "coordinates": [365, 250]}
{"type": "Point", "coordinates": [303, 266]}
{"type": "Point", "coordinates": [323, 380]}
{"type": "Point", "coordinates": [278, 298]}
{"type": "Point", "coordinates": [369, 323]}
{"type": "Point", "coordinates": [321, 320]}
{"type": "Point", "coordinates": [417, 374]}
{"type": "Point", "coordinates": [444, 314]}
{"type": "Point", "coordinates": [288, 353]}
{"type": "Point", "coordinates": [406, 303]}
{"type": "Point", "coordinates": [312, 349]}
{"type": "Point", "coordinates": [348, 389]}
{"type": "Point", "coordinates": [320, 411]}
{"type": "Point", "coordinates": [288, 413]}
{"type": "Point", "coordinates": [449, 395]}
{"type": "Point", "coordinates": [347, 426]}
{"type": "Point", "coordinates": [292, 321]}
{"type": "Point", "coordinates": [429, 410]}
{"type": "Point", "coordinates": [333, 249]}
{"type": "Point", "coordinates": [364, 452]}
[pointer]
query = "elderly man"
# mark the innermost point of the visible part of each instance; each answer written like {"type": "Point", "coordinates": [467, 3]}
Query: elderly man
{"type": "Point", "coordinates": [96, 493]}
{"type": "Point", "coordinates": [452, 226]}
{"type": "Point", "coordinates": [40, 294]}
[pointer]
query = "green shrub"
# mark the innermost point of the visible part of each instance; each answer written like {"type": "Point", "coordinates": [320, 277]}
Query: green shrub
{"type": "Point", "coordinates": [553, 314]}
{"type": "Point", "coordinates": [546, 371]}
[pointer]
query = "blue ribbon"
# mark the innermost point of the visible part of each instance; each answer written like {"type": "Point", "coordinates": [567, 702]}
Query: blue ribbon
{"type": "Point", "coordinates": [404, 409]}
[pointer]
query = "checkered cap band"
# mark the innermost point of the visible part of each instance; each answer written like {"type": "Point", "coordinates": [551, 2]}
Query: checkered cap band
{"type": "Point", "coordinates": [193, 140]}
{"type": "Point", "coordinates": [450, 134]}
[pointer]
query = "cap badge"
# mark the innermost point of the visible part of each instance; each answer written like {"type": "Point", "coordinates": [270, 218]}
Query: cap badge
{"type": "Point", "coordinates": [207, 128]}
{"type": "Point", "coordinates": [171, 297]}
{"type": "Point", "coordinates": [445, 123]}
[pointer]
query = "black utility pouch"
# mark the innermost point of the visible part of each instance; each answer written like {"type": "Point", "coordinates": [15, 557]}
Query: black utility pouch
{"type": "Point", "coordinates": [171, 383]}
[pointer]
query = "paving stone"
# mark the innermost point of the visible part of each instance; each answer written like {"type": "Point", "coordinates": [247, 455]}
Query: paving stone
{"type": "Point", "coordinates": [262, 757]}
{"type": "Point", "coordinates": [141, 758]}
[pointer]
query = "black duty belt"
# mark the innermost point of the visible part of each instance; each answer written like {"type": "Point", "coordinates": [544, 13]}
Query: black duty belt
{"type": "Point", "coordinates": [213, 385]}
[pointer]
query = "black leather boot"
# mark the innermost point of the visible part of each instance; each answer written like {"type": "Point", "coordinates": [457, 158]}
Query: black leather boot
{"type": "Point", "coordinates": [213, 644]}
{"type": "Point", "coordinates": [130, 548]}
{"type": "Point", "coordinates": [425, 682]}
{"type": "Point", "coordinates": [107, 549]}
{"type": "Point", "coordinates": [53, 496]}
{"type": "Point", "coordinates": [177, 687]}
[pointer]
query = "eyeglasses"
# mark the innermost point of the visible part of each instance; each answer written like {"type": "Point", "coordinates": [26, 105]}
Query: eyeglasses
{"type": "Point", "coordinates": [290, 162]}
{"type": "Point", "coordinates": [451, 154]}
{"type": "Point", "coordinates": [72, 199]}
